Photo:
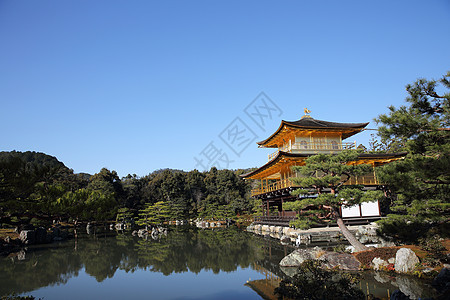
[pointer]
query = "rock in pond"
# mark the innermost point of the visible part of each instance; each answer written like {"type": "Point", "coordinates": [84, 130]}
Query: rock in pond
{"type": "Point", "coordinates": [405, 260]}
{"type": "Point", "coordinates": [142, 232]}
{"type": "Point", "coordinates": [120, 226]}
{"type": "Point", "coordinates": [28, 237]}
{"type": "Point", "coordinates": [342, 261]}
{"type": "Point", "coordinates": [300, 255]}
{"type": "Point", "coordinates": [379, 263]}
{"type": "Point", "coordinates": [285, 239]}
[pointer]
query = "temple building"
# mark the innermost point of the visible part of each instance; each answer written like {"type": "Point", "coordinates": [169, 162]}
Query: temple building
{"type": "Point", "coordinates": [294, 142]}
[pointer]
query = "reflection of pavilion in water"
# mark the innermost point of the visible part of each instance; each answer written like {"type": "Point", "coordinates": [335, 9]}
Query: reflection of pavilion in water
{"type": "Point", "coordinates": [264, 287]}
{"type": "Point", "coordinates": [380, 285]}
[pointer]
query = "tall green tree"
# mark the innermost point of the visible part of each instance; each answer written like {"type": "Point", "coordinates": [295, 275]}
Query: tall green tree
{"type": "Point", "coordinates": [87, 205]}
{"type": "Point", "coordinates": [196, 188]}
{"type": "Point", "coordinates": [132, 187]}
{"type": "Point", "coordinates": [224, 187]}
{"type": "Point", "coordinates": [106, 181]}
{"type": "Point", "coordinates": [154, 214]}
{"type": "Point", "coordinates": [30, 183]}
{"type": "Point", "coordinates": [325, 175]}
{"type": "Point", "coordinates": [419, 184]}
{"type": "Point", "coordinates": [124, 215]}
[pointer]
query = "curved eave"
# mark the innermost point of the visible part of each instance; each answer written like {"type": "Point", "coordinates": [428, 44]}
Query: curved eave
{"type": "Point", "coordinates": [283, 122]}
{"type": "Point", "coordinates": [351, 128]}
{"type": "Point", "coordinates": [273, 162]}
{"type": "Point", "coordinates": [381, 158]}
{"type": "Point", "coordinates": [378, 158]}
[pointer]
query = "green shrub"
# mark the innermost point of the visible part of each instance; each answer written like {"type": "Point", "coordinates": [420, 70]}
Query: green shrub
{"type": "Point", "coordinates": [304, 222]}
{"type": "Point", "coordinates": [37, 223]}
{"type": "Point", "coordinates": [435, 250]}
{"type": "Point", "coordinates": [402, 228]}
{"type": "Point", "coordinates": [341, 248]}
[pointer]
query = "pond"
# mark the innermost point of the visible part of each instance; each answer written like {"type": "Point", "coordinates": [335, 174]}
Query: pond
{"type": "Point", "coordinates": [187, 263]}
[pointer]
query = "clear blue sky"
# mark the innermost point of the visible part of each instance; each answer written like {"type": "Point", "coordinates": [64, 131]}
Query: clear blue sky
{"type": "Point", "coordinates": [135, 86]}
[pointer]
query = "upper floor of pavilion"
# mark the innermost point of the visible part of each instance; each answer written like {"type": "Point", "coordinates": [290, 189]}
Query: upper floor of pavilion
{"type": "Point", "coordinates": [311, 136]}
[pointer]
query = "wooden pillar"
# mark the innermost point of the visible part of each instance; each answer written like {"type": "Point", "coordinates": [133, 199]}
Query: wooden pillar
{"type": "Point", "coordinates": [263, 211]}
{"type": "Point", "coordinates": [374, 175]}
{"type": "Point", "coordinates": [264, 208]}
{"type": "Point", "coordinates": [268, 211]}
{"type": "Point", "coordinates": [280, 208]}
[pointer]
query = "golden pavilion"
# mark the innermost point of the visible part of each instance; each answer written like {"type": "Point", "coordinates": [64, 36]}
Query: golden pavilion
{"type": "Point", "coordinates": [294, 142]}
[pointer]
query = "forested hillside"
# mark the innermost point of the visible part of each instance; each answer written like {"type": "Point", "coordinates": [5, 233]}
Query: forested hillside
{"type": "Point", "coordinates": [36, 187]}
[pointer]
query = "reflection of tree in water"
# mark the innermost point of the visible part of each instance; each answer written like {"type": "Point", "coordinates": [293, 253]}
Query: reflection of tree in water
{"type": "Point", "coordinates": [195, 250]}
{"type": "Point", "coordinates": [41, 268]}
{"type": "Point", "coordinates": [183, 249]}
{"type": "Point", "coordinates": [153, 255]}
{"type": "Point", "coordinates": [99, 260]}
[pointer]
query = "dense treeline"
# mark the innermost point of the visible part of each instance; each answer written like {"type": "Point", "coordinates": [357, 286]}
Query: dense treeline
{"type": "Point", "coordinates": [37, 187]}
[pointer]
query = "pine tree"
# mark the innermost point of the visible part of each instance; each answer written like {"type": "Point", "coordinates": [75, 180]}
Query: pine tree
{"type": "Point", "coordinates": [154, 214]}
{"type": "Point", "coordinates": [421, 182]}
{"type": "Point", "coordinates": [325, 175]}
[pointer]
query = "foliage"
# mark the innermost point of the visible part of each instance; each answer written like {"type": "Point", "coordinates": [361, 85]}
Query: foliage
{"type": "Point", "coordinates": [329, 171]}
{"type": "Point", "coordinates": [419, 185]}
{"type": "Point", "coordinates": [385, 145]}
{"type": "Point", "coordinates": [435, 250]}
{"type": "Point", "coordinates": [124, 215]}
{"type": "Point", "coordinates": [39, 187]}
{"type": "Point", "coordinates": [154, 214]}
{"type": "Point", "coordinates": [30, 183]}
{"type": "Point", "coordinates": [213, 194]}
{"type": "Point", "coordinates": [342, 248]}
{"type": "Point", "coordinates": [313, 282]}
{"type": "Point", "coordinates": [85, 204]}
{"type": "Point", "coordinates": [305, 222]}
{"type": "Point", "coordinates": [306, 218]}
{"type": "Point", "coordinates": [107, 182]}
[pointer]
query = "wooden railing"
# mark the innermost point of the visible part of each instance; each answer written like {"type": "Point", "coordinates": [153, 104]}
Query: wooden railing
{"type": "Point", "coordinates": [364, 180]}
{"type": "Point", "coordinates": [368, 179]}
{"type": "Point", "coordinates": [278, 185]}
{"type": "Point", "coordinates": [313, 147]}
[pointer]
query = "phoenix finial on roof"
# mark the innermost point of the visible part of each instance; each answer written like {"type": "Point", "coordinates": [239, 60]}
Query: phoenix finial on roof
{"type": "Point", "coordinates": [307, 111]}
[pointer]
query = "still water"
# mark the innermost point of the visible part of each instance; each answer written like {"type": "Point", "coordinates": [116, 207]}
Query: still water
{"type": "Point", "coordinates": [187, 263]}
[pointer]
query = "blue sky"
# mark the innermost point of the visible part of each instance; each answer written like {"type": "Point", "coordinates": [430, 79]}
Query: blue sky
{"type": "Point", "coordinates": [135, 86]}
